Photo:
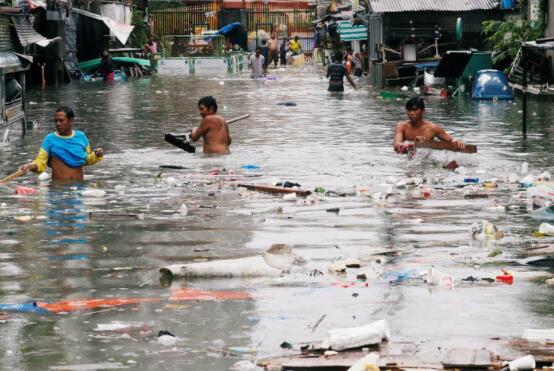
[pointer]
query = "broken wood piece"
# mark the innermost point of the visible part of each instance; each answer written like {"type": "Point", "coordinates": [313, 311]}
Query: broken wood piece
{"type": "Point", "coordinates": [446, 146]}
{"type": "Point", "coordinates": [467, 358]}
{"type": "Point", "coordinates": [173, 167]}
{"type": "Point", "coordinates": [111, 215]}
{"type": "Point", "coordinates": [274, 190]}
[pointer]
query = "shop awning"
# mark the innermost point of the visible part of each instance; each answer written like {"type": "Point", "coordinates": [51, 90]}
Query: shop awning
{"type": "Point", "coordinates": [349, 32]}
{"type": "Point", "coordinates": [119, 30]}
{"type": "Point", "coordinates": [26, 33]}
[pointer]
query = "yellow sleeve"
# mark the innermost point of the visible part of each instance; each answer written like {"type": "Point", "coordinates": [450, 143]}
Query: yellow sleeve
{"type": "Point", "coordinates": [41, 160]}
{"type": "Point", "coordinates": [91, 157]}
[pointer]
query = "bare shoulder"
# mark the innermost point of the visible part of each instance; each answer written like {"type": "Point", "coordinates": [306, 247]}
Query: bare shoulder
{"type": "Point", "coordinates": [433, 126]}
{"type": "Point", "coordinates": [402, 124]}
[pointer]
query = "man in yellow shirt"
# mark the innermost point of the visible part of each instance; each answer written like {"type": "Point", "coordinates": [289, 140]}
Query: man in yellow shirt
{"type": "Point", "coordinates": [66, 151]}
{"type": "Point", "coordinates": [295, 47]}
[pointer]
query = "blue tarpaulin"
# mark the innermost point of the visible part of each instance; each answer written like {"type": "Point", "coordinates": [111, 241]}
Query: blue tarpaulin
{"type": "Point", "coordinates": [230, 27]}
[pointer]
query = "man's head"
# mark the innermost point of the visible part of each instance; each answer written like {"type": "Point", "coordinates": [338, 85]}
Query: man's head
{"type": "Point", "coordinates": [258, 52]}
{"type": "Point", "coordinates": [338, 56]}
{"type": "Point", "coordinates": [273, 35]}
{"type": "Point", "coordinates": [414, 109]}
{"type": "Point", "coordinates": [105, 53]}
{"type": "Point", "coordinates": [296, 38]}
{"type": "Point", "coordinates": [264, 42]}
{"type": "Point", "coordinates": [207, 106]}
{"type": "Point", "coordinates": [63, 118]}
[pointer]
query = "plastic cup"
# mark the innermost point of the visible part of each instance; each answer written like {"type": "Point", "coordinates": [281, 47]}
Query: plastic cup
{"type": "Point", "coordinates": [523, 363]}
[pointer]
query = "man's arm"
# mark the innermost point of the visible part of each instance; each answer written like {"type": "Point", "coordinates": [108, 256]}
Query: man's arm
{"type": "Point", "coordinates": [443, 136]}
{"type": "Point", "coordinates": [328, 73]}
{"type": "Point", "coordinates": [200, 131]}
{"type": "Point", "coordinates": [399, 138]}
{"type": "Point", "coordinates": [349, 78]}
{"type": "Point", "coordinates": [94, 156]}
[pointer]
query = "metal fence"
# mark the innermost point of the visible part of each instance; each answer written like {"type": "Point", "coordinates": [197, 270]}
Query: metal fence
{"type": "Point", "coordinates": [193, 46]}
{"type": "Point", "coordinates": [194, 18]}
{"type": "Point", "coordinates": [188, 19]}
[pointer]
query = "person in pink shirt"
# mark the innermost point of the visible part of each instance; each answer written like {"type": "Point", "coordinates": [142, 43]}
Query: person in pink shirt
{"type": "Point", "coordinates": [151, 49]}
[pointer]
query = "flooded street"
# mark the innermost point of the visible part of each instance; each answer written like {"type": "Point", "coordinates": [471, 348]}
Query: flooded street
{"type": "Point", "coordinates": [98, 274]}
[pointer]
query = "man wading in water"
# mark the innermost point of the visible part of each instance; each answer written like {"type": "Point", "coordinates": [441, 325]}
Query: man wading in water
{"type": "Point", "coordinates": [66, 151]}
{"type": "Point", "coordinates": [336, 71]}
{"type": "Point", "coordinates": [415, 129]}
{"type": "Point", "coordinates": [213, 129]}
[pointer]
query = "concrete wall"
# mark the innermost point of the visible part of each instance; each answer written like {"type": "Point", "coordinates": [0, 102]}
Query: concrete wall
{"type": "Point", "coordinates": [550, 27]}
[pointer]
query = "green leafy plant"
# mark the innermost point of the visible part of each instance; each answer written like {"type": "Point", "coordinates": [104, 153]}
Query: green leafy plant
{"type": "Point", "coordinates": [139, 36]}
{"type": "Point", "coordinates": [504, 38]}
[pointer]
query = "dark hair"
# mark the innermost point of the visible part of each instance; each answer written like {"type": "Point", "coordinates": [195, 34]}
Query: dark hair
{"type": "Point", "coordinates": [296, 37]}
{"type": "Point", "coordinates": [338, 56]}
{"type": "Point", "coordinates": [415, 103]}
{"type": "Point", "coordinates": [258, 50]}
{"type": "Point", "coordinates": [264, 41]}
{"type": "Point", "coordinates": [68, 111]}
{"type": "Point", "coordinates": [208, 102]}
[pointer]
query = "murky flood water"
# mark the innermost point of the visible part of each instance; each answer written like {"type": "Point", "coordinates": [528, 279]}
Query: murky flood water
{"type": "Point", "coordinates": [100, 275]}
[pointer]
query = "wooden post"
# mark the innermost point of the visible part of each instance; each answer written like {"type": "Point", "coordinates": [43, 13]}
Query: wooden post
{"type": "Point", "coordinates": [524, 91]}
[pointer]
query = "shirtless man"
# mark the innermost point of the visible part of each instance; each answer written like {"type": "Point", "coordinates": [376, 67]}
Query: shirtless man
{"type": "Point", "coordinates": [273, 50]}
{"type": "Point", "coordinates": [418, 129]}
{"type": "Point", "coordinates": [213, 129]}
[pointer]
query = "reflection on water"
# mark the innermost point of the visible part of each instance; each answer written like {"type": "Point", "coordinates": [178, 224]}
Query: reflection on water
{"type": "Point", "coordinates": [325, 140]}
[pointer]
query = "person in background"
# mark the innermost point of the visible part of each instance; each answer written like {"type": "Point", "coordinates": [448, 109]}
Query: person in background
{"type": "Point", "coordinates": [265, 53]}
{"type": "Point", "coordinates": [283, 51]}
{"type": "Point", "coordinates": [151, 49]}
{"type": "Point", "coordinates": [295, 46]}
{"type": "Point", "coordinates": [66, 151]}
{"type": "Point", "coordinates": [358, 64]}
{"type": "Point", "coordinates": [348, 61]}
{"type": "Point", "coordinates": [256, 62]}
{"type": "Point", "coordinates": [107, 66]}
{"type": "Point", "coordinates": [336, 73]}
{"type": "Point", "coordinates": [273, 50]}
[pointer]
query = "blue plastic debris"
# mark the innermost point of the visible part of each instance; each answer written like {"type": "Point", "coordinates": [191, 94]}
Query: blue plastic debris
{"type": "Point", "coordinates": [250, 167]}
{"type": "Point", "coordinates": [491, 84]}
{"type": "Point", "coordinates": [401, 276]}
{"type": "Point", "coordinates": [471, 180]}
{"type": "Point", "coordinates": [69, 257]}
{"type": "Point", "coordinates": [23, 308]}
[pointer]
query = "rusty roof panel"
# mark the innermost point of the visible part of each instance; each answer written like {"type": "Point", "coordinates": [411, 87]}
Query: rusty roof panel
{"type": "Point", "coordinates": [391, 6]}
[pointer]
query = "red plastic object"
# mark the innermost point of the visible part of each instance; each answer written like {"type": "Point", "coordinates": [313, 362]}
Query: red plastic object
{"type": "Point", "coordinates": [505, 279]}
{"type": "Point", "coordinates": [20, 190]}
{"type": "Point", "coordinates": [452, 165]}
{"type": "Point", "coordinates": [425, 193]}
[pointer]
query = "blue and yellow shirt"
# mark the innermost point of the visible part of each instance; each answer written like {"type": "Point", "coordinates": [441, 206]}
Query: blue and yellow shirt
{"type": "Point", "coordinates": [73, 150]}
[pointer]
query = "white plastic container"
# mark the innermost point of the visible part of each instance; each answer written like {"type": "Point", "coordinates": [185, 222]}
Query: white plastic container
{"type": "Point", "coordinates": [523, 363]}
{"type": "Point", "coordinates": [355, 337]}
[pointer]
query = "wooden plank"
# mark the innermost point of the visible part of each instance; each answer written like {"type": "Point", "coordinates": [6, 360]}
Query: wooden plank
{"type": "Point", "coordinates": [274, 190]}
{"type": "Point", "coordinates": [467, 358]}
{"type": "Point", "coordinates": [446, 146]}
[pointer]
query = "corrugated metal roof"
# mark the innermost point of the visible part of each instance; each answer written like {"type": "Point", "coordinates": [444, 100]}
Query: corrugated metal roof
{"type": "Point", "coordinates": [6, 42]}
{"type": "Point", "coordinates": [25, 31]}
{"type": "Point", "coordinates": [391, 6]}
